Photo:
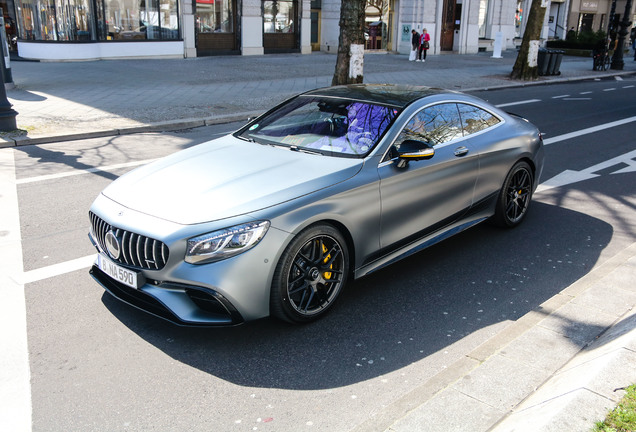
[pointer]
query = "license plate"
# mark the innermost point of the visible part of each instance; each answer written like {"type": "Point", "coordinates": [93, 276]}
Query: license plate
{"type": "Point", "coordinates": [117, 272]}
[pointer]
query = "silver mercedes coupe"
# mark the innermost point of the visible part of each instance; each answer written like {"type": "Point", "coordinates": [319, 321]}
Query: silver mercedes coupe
{"type": "Point", "coordinates": [330, 185]}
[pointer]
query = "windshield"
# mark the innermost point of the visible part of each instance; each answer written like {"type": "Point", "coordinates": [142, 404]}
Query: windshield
{"type": "Point", "coordinates": [331, 126]}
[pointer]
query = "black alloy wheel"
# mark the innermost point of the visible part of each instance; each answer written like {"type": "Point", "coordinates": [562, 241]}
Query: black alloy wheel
{"type": "Point", "coordinates": [514, 198]}
{"type": "Point", "coordinates": [310, 275]}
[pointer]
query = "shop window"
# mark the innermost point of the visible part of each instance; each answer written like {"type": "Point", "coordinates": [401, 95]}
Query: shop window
{"type": "Point", "coordinates": [74, 20]}
{"type": "Point", "coordinates": [141, 19]}
{"type": "Point", "coordinates": [85, 20]}
{"type": "Point", "coordinates": [278, 16]}
{"type": "Point", "coordinates": [37, 20]}
{"type": "Point", "coordinates": [215, 16]}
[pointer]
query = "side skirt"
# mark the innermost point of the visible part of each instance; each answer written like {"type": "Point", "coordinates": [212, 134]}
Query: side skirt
{"type": "Point", "coordinates": [478, 213]}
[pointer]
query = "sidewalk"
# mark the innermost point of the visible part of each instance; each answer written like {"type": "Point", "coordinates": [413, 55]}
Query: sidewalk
{"type": "Point", "coordinates": [69, 100]}
{"type": "Point", "coordinates": [542, 373]}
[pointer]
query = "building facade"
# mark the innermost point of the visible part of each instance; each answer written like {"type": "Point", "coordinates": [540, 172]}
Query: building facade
{"type": "Point", "coordinates": [595, 15]}
{"type": "Point", "coordinates": [98, 29]}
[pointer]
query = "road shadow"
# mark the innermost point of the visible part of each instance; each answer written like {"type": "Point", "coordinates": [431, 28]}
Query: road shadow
{"type": "Point", "coordinates": [26, 96]}
{"type": "Point", "coordinates": [397, 316]}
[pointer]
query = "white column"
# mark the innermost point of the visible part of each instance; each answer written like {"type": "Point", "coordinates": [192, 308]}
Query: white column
{"type": "Point", "coordinates": [252, 28]}
{"type": "Point", "coordinates": [188, 29]}
{"type": "Point", "coordinates": [305, 27]}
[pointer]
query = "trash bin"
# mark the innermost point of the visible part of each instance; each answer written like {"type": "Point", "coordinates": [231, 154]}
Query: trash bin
{"type": "Point", "coordinates": [552, 63]}
{"type": "Point", "coordinates": [543, 61]}
{"type": "Point", "coordinates": [557, 63]}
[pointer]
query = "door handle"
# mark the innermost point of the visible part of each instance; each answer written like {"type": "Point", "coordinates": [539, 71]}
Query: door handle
{"type": "Point", "coordinates": [461, 151]}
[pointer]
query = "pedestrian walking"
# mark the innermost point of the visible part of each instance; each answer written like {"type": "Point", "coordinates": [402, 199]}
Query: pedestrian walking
{"type": "Point", "coordinates": [425, 39]}
{"type": "Point", "coordinates": [415, 43]}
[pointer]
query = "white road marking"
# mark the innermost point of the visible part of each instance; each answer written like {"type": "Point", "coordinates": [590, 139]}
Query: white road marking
{"type": "Point", "coordinates": [586, 92]}
{"type": "Point", "coordinates": [518, 103]}
{"type": "Point", "coordinates": [618, 78]}
{"type": "Point", "coordinates": [570, 176]}
{"type": "Point", "coordinates": [576, 99]}
{"type": "Point", "coordinates": [58, 269]}
{"type": "Point", "coordinates": [629, 86]}
{"type": "Point", "coordinates": [588, 130]}
{"type": "Point", "coordinates": [560, 97]}
{"type": "Point", "coordinates": [15, 387]}
{"type": "Point", "coordinates": [609, 89]}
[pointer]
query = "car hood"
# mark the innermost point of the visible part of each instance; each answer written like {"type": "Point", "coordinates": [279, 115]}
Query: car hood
{"type": "Point", "coordinates": [226, 177]}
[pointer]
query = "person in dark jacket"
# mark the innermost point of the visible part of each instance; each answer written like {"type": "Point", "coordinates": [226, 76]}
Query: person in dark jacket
{"type": "Point", "coordinates": [415, 43]}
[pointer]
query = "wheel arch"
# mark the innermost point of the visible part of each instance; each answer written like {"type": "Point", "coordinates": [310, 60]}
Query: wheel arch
{"type": "Point", "coordinates": [533, 167]}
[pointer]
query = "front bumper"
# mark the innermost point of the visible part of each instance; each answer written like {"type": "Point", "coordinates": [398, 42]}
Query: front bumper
{"type": "Point", "coordinates": [180, 304]}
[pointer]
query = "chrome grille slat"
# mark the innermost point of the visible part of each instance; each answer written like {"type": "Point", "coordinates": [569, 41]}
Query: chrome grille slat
{"type": "Point", "coordinates": [146, 254]}
{"type": "Point", "coordinates": [154, 253]}
{"type": "Point", "coordinates": [164, 253]}
{"type": "Point", "coordinates": [124, 250]}
{"type": "Point", "coordinates": [133, 248]}
{"type": "Point", "coordinates": [136, 250]}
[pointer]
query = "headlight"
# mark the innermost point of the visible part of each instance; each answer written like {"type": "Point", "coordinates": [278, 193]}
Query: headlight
{"type": "Point", "coordinates": [225, 243]}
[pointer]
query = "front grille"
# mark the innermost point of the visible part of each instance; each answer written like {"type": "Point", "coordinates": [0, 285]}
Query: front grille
{"type": "Point", "coordinates": [136, 250]}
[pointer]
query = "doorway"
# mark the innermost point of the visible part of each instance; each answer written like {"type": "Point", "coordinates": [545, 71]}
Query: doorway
{"type": "Point", "coordinates": [448, 26]}
{"type": "Point", "coordinates": [315, 29]}
{"type": "Point", "coordinates": [377, 31]}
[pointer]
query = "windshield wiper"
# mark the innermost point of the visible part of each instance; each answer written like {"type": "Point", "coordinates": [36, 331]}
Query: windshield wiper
{"type": "Point", "coordinates": [303, 150]}
{"type": "Point", "coordinates": [241, 137]}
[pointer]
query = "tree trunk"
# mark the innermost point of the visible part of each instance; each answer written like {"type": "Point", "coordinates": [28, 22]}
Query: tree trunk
{"type": "Point", "coordinates": [349, 64]}
{"type": "Point", "coordinates": [525, 67]}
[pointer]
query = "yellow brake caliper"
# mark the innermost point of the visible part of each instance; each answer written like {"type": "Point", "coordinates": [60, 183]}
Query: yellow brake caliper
{"type": "Point", "coordinates": [327, 274]}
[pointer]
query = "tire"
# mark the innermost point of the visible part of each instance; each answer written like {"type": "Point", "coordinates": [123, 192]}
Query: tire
{"type": "Point", "coordinates": [606, 63]}
{"type": "Point", "coordinates": [310, 275]}
{"type": "Point", "coordinates": [515, 196]}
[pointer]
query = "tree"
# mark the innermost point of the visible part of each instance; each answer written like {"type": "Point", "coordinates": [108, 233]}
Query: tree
{"type": "Point", "coordinates": [525, 67]}
{"type": "Point", "coordinates": [350, 60]}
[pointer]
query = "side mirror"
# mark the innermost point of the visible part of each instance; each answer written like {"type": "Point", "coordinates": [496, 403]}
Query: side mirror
{"type": "Point", "coordinates": [411, 150]}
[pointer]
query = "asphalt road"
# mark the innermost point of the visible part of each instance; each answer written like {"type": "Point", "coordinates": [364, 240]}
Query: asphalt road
{"type": "Point", "coordinates": [97, 364]}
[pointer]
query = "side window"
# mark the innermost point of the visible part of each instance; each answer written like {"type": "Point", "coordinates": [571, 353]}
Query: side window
{"type": "Point", "coordinates": [475, 119]}
{"type": "Point", "coordinates": [435, 125]}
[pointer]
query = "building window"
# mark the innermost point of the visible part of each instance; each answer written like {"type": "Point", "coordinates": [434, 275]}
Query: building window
{"type": "Point", "coordinates": [142, 19]}
{"type": "Point", "coordinates": [39, 20]}
{"type": "Point", "coordinates": [519, 18]}
{"type": "Point", "coordinates": [76, 20]}
{"type": "Point", "coordinates": [483, 17]}
{"type": "Point", "coordinates": [278, 16]}
{"type": "Point", "coordinates": [215, 16]}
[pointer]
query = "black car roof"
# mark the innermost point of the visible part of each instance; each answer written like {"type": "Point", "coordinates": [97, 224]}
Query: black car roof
{"type": "Point", "coordinates": [383, 94]}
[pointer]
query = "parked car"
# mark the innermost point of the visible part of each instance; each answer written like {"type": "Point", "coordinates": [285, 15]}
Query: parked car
{"type": "Point", "coordinates": [330, 185]}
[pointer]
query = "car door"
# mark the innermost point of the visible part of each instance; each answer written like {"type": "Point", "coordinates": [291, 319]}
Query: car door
{"type": "Point", "coordinates": [424, 195]}
{"type": "Point", "coordinates": [494, 158]}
